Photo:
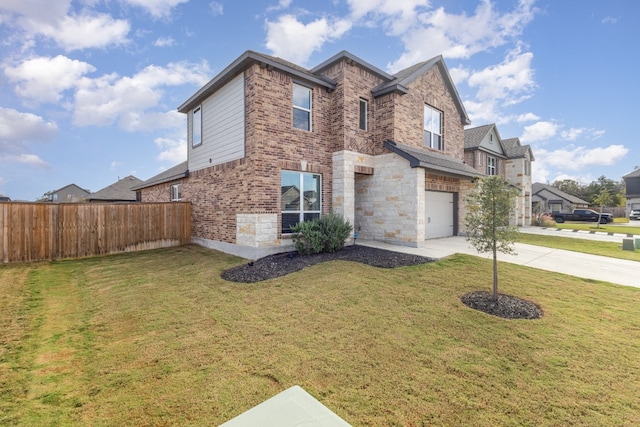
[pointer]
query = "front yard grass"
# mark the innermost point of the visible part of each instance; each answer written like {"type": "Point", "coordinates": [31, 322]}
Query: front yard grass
{"type": "Point", "coordinates": [158, 338]}
{"type": "Point", "coordinates": [604, 228]}
{"type": "Point", "coordinates": [594, 247]}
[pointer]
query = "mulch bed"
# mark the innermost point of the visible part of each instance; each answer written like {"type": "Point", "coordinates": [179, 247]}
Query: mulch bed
{"type": "Point", "coordinates": [507, 306]}
{"type": "Point", "coordinates": [282, 264]}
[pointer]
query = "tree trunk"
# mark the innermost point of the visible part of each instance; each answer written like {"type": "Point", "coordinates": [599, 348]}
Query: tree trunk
{"type": "Point", "coordinates": [495, 273]}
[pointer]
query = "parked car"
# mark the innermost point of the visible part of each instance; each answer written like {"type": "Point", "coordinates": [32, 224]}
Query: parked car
{"type": "Point", "coordinates": [582, 215]}
{"type": "Point", "coordinates": [635, 214]}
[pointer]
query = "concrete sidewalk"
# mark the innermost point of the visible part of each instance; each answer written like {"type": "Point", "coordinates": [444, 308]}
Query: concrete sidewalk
{"type": "Point", "coordinates": [621, 272]}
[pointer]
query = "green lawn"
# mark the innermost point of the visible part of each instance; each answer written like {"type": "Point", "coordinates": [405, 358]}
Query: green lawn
{"type": "Point", "coordinates": [595, 247]}
{"type": "Point", "coordinates": [157, 338]}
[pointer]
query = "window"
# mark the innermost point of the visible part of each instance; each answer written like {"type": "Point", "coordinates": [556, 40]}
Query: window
{"type": "Point", "coordinates": [363, 114]}
{"type": "Point", "coordinates": [300, 195]}
{"type": "Point", "coordinates": [196, 127]}
{"type": "Point", "coordinates": [527, 167]}
{"type": "Point", "coordinates": [433, 128]}
{"type": "Point", "coordinates": [176, 192]}
{"type": "Point", "coordinates": [480, 156]}
{"type": "Point", "coordinates": [491, 165]}
{"type": "Point", "coordinates": [301, 107]}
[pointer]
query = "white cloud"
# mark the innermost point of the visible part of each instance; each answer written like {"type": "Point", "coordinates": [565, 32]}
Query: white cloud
{"type": "Point", "coordinates": [508, 79]}
{"type": "Point", "coordinates": [127, 100]}
{"type": "Point", "coordinates": [43, 79]}
{"type": "Point", "coordinates": [172, 150]}
{"type": "Point", "coordinates": [575, 133]}
{"type": "Point", "coordinates": [29, 160]}
{"type": "Point", "coordinates": [282, 4]}
{"type": "Point", "coordinates": [577, 158]}
{"type": "Point", "coordinates": [216, 8]}
{"type": "Point", "coordinates": [115, 165]}
{"type": "Point", "coordinates": [156, 8]}
{"type": "Point", "coordinates": [609, 20]}
{"type": "Point", "coordinates": [164, 42]}
{"type": "Point", "coordinates": [397, 16]}
{"type": "Point", "coordinates": [295, 41]}
{"type": "Point", "coordinates": [461, 36]}
{"type": "Point", "coordinates": [17, 128]}
{"type": "Point", "coordinates": [527, 117]}
{"type": "Point", "coordinates": [539, 131]}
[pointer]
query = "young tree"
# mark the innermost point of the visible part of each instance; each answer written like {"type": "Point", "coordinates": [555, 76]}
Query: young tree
{"type": "Point", "coordinates": [602, 199]}
{"type": "Point", "coordinates": [489, 208]}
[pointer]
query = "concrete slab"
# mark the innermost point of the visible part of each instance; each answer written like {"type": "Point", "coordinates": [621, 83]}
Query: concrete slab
{"type": "Point", "coordinates": [294, 407]}
{"type": "Point", "coordinates": [613, 270]}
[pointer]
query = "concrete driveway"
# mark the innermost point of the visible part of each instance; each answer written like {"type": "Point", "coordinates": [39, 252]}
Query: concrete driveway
{"type": "Point", "coordinates": [621, 272]}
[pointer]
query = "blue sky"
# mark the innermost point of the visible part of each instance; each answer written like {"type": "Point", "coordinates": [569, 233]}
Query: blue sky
{"type": "Point", "coordinates": [89, 88]}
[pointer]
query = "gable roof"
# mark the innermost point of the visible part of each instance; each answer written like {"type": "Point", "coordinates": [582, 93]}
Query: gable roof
{"type": "Point", "coordinates": [430, 160]}
{"type": "Point", "coordinates": [393, 83]}
{"type": "Point", "coordinates": [537, 187]}
{"type": "Point", "coordinates": [634, 174]}
{"type": "Point", "coordinates": [402, 79]}
{"type": "Point", "coordinates": [473, 136]}
{"type": "Point", "coordinates": [245, 60]}
{"type": "Point", "coordinates": [515, 150]}
{"type": "Point", "coordinates": [118, 191]}
{"type": "Point", "coordinates": [177, 172]}
{"type": "Point", "coordinates": [68, 186]}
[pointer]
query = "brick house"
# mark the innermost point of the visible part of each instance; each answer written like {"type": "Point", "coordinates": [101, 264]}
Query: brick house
{"type": "Point", "coordinates": [271, 143]}
{"type": "Point", "coordinates": [489, 154]}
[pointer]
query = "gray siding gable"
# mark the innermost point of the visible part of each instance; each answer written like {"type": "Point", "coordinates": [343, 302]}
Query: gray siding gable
{"type": "Point", "coordinates": [223, 127]}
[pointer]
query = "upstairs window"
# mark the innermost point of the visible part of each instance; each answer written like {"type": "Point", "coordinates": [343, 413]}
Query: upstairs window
{"type": "Point", "coordinates": [433, 128]}
{"type": "Point", "coordinates": [300, 198]}
{"type": "Point", "coordinates": [363, 114]}
{"type": "Point", "coordinates": [176, 192]}
{"type": "Point", "coordinates": [196, 127]}
{"type": "Point", "coordinates": [301, 107]}
{"type": "Point", "coordinates": [527, 167]}
{"type": "Point", "coordinates": [491, 165]}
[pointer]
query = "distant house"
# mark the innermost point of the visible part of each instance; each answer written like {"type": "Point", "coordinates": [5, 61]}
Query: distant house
{"type": "Point", "coordinates": [632, 192]}
{"type": "Point", "coordinates": [68, 194]}
{"type": "Point", "coordinates": [488, 153]}
{"type": "Point", "coordinates": [166, 186]}
{"type": "Point", "coordinates": [120, 191]}
{"type": "Point", "coordinates": [4, 198]}
{"type": "Point", "coordinates": [549, 199]}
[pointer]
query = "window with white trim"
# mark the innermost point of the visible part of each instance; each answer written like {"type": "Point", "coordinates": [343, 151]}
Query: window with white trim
{"type": "Point", "coordinates": [300, 198]}
{"type": "Point", "coordinates": [196, 126]}
{"type": "Point", "coordinates": [491, 165]}
{"type": "Point", "coordinates": [363, 114]}
{"type": "Point", "coordinates": [301, 107]}
{"type": "Point", "coordinates": [176, 192]}
{"type": "Point", "coordinates": [433, 128]}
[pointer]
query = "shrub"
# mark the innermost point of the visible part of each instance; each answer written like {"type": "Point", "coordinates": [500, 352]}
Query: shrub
{"type": "Point", "coordinates": [335, 230]}
{"type": "Point", "coordinates": [326, 234]}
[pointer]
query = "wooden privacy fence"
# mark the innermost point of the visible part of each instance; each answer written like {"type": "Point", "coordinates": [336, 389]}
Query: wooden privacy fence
{"type": "Point", "coordinates": [45, 231]}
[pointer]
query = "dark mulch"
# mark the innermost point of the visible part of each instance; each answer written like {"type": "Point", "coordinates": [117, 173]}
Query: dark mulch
{"type": "Point", "coordinates": [282, 264]}
{"type": "Point", "coordinates": [507, 306]}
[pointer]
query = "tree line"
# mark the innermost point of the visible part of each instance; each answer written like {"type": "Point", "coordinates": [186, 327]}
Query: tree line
{"type": "Point", "coordinates": [602, 192]}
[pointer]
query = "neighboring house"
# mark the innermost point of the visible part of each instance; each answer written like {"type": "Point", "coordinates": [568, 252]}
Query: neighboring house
{"type": "Point", "coordinates": [68, 194]}
{"type": "Point", "coordinates": [384, 151]}
{"type": "Point", "coordinates": [549, 199]}
{"type": "Point", "coordinates": [4, 198]}
{"type": "Point", "coordinates": [488, 153]}
{"type": "Point", "coordinates": [120, 191]}
{"type": "Point", "coordinates": [164, 187]}
{"type": "Point", "coordinates": [632, 192]}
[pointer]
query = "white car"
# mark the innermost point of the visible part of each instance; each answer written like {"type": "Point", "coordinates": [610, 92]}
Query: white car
{"type": "Point", "coordinates": [635, 214]}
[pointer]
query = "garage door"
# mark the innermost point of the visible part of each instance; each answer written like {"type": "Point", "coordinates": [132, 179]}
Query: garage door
{"type": "Point", "coordinates": [438, 214]}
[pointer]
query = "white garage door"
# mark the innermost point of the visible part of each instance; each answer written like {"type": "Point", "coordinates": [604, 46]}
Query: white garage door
{"type": "Point", "coordinates": [438, 214]}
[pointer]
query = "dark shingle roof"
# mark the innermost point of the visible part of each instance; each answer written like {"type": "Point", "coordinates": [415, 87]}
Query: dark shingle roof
{"type": "Point", "coordinates": [634, 174]}
{"type": "Point", "coordinates": [118, 191]}
{"type": "Point", "coordinates": [515, 150]}
{"type": "Point", "coordinates": [474, 136]}
{"type": "Point", "coordinates": [537, 187]}
{"type": "Point", "coordinates": [430, 160]}
{"type": "Point", "coordinates": [177, 172]}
